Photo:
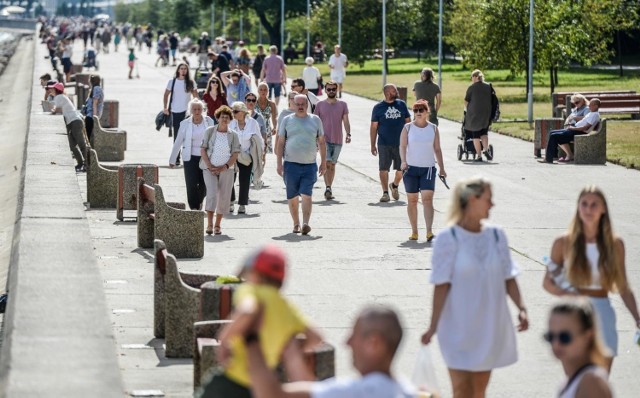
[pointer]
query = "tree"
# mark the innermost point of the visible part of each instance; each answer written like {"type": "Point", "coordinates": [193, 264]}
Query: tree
{"type": "Point", "coordinates": [268, 12]}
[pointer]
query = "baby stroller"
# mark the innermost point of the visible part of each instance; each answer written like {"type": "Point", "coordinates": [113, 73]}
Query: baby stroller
{"type": "Point", "coordinates": [90, 59]}
{"type": "Point", "coordinates": [466, 147]}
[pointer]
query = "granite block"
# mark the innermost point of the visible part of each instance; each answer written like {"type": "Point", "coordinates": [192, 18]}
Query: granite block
{"type": "Point", "coordinates": [181, 230]}
{"type": "Point", "coordinates": [145, 221]}
{"type": "Point", "coordinates": [109, 143]}
{"type": "Point", "coordinates": [127, 194]}
{"type": "Point", "coordinates": [592, 148]}
{"type": "Point", "coordinates": [110, 114]}
{"type": "Point", "coordinates": [205, 348]}
{"type": "Point", "coordinates": [541, 133]}
{"type": "Point", "coordinates": [102, 184]}
{"type": "Point", "coordinates": [216, 300]}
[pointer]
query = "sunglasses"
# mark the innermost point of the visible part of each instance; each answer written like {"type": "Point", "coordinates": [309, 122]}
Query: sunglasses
{"type": "Point", "coordinates": [419, 110]}
{"type": "Point", "coordinates": [576, 103]}
{"type": "Point", "coordinates": [234, 112]}
{"type": "Point", "coordinates": [564, 337]}
{"type": "Point", "coordinates": [250, 100]}
{"type": "Point", "coordinates": [331, 89]}
{"type": "Point", "coordinates": [212, 83]}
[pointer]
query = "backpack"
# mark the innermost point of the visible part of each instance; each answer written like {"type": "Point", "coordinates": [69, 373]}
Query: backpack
{"type": "Point", "coordinates": [495, 105]}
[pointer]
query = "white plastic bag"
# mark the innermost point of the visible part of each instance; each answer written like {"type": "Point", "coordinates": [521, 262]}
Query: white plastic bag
{"type": "Point", "coordinates": [424, 374]}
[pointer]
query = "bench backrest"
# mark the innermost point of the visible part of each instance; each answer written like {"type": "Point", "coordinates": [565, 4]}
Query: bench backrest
{"type": "Point", "coordinates": [147, 193]}
{"type": "Point", "coordinates": [161, 260]}
{"type": "Point", "coordinates": [559, 98]}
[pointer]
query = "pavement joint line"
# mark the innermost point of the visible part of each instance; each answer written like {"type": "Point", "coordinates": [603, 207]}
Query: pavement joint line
{"type": "Point", "coordinates": [52, 218]}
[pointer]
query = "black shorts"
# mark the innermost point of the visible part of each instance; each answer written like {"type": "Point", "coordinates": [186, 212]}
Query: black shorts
{"type": "Point", "coordinates": [388, 154]}
{"type": "Point", "coordinates": [477, 134]}
{"type": "Point", "coordinates": [66, 65]}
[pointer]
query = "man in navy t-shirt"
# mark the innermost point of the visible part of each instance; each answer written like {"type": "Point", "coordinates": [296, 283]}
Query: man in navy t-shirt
{"type": "Point", "coordinates": [387, 120]}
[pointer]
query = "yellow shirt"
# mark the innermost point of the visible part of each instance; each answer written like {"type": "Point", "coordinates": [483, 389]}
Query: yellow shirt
{"type": "Point", "coordinates": [281, 321]}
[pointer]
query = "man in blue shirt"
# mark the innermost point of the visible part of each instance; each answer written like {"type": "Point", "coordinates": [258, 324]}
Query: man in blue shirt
{"type": "Point", "coordinates": [387, 120]}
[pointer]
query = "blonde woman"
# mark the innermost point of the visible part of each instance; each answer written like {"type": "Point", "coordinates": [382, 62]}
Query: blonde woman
{"type": "Point", "coordinates": [219, 152]}
{"type": "Point", "coordinates": [593, 259]}
{"type": "Point", "coordinates": [576, 341]}
{"type": "Point", "coordinates": [473, 274]}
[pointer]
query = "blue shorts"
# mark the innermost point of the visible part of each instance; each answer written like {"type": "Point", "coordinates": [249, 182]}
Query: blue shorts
{"type": "Point", "coordinates": [418, 179]}
{"type": "Point", "coordinates": [274, 88]}
{"type": "Point", "coordinates": [299, 178]}
{"type": "Point", "coordinates": [333, 151]}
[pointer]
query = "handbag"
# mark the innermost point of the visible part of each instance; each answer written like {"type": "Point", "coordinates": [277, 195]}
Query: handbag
{"type": "Point", "coordinates": [244, 158]}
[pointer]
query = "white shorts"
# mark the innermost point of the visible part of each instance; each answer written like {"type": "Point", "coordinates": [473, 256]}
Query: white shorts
{"type": "Point", "coordinates": [337, 77]}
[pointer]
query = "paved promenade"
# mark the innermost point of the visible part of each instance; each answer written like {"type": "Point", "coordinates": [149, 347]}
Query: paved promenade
{"type": "Point", "coordinates": [358, 251]}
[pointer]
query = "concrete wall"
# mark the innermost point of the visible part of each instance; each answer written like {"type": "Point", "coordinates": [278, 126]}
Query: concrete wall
{"type": "Point", "coordinates": [25, 24]}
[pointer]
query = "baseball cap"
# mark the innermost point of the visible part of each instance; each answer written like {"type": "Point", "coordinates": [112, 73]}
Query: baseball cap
{"type": "Point", "coordinates": [50, 83]}
{"type": "Point", "coordinates": [58, 86]}
{"type": "Point", "coordinates": [269, 261]}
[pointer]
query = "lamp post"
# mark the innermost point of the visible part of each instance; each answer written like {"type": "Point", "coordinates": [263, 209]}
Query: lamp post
{"type": "Point", "coordinates": [384, 43]}
{"type": "Point", "coordinates": [213, 19]}
{"type": "Point", "coordinates": [241, 26]}
{"type": "Point", "coordinates": [308, 27]}
{"type": "Point", "coordinates": [282, 27]}
{"type": "Point", "coordinates": [340, 23]}
{"type": "Point", "coordinates": [440, 46]}
{"type": "Point", "coordinates": [530, 94]}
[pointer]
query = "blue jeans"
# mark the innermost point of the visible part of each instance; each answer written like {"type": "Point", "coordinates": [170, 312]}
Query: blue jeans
{"type": "Point", "coordinates": [558, 137]}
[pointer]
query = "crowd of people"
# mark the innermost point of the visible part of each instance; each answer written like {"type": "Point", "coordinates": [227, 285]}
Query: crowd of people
{"type": "Point", "coordinates": [224, 134]}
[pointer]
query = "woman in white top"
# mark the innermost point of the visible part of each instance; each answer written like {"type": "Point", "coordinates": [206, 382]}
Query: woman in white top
{"type": "Point", "coordinates": [219, 151]}
{"type": "Point", "coordinates": [576, 341]}
{"type": "Point", "coordinates": [311, 76]}
{"type": "Point", "coordinates": [419, 150]}
{"type": "Point", "coordinates": [593, 259]}
{"type": "Point", "coordinates": [473, 273]}
{"type": "Point", "coordinates": [249, 134]}
{"type": "Point", "coordinates": [189, 139]}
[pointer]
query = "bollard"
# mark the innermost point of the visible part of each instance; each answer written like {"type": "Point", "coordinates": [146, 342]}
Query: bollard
{"type": "Point", "coordinates": [402, 93]}
{"type": "Point", "coordinates": [110, 114]}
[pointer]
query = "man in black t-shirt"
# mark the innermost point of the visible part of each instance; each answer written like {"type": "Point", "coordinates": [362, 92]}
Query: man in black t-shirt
{"type": "Point", "coordinates": [204, 44]}
{"type": "Point", "coordinates": [219, 63]}
{"type": "Point", "coordinates": [173, 46]}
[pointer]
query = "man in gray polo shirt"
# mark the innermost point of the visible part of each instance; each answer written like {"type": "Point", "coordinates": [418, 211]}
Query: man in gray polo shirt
{"type": "Point", "coordinates": [300, 137]}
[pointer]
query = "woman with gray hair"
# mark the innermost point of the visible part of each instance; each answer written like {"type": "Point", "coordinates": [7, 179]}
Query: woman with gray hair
{"type": "Point", "coordinates": [189, 139]}
{"type": "Point", "coordinates": [473, 273]}
{"type": "Point", "coordinates": [311, 76]}
{"type": "Point", "coordinates": [477, 102]}
{"type": "Point", "coordinates": [426, 89]}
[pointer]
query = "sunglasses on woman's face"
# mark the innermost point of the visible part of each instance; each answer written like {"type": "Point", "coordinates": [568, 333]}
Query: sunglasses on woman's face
{"type": "Point", "coordinates": [250, 100]}
{"type": "Point", "coordinates": [564, 337]}
{"type": "Point", "coordinates": [213, 82]}
{"type": "Point", "coordinates": [419, 110]}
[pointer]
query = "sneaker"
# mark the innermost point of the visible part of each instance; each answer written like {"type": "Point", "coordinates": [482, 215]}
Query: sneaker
{"type": "Point", "coordinates": [328, 195]}
{"type": "Point", "coordinates": [80, 168]}
{"type": "Point", "coordinates": [241, 209]}
{"type": "Point", "coordinates": [488, 155]}
{"type": "Point", "coordinates": [385, 197]}
{"type": "Point", "coordinates": [478, 159]}
{"type": "Point", "coordinates": [394, 192]}
{"type": "Point", "coordinates": [231, 208]}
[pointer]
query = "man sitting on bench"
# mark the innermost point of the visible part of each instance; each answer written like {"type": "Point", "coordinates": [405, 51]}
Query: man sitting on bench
{"type": "Point", "coordinates": [565, 136]}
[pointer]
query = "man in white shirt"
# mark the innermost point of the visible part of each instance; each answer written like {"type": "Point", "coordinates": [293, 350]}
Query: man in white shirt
{"type": "Point", "coordinates": [338, 64]}
{"type": "Point", "coordinates": [374, 340]}
{"type": "Point", "coordinates": [563, 137]}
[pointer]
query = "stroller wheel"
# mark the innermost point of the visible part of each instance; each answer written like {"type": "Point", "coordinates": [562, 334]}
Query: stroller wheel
{"type": "Point", "coordinates": [459, 152]}
{"type": "Point", "coordinates": [466, 156]}
{"type": "Point", "coordinates": [491, 150]}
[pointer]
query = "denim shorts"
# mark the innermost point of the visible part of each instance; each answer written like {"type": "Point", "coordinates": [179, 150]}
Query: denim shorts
{"type": "Point", "coordinates": [333, 152]}
{"type": "Point", "coordinates": [388, 154]}
{"type": "Point", "coordinates": [299, 178]}
{"type": "Point", "coordinates": [418, 179]}
{"type": "Point", "coordinates": [275, 89]}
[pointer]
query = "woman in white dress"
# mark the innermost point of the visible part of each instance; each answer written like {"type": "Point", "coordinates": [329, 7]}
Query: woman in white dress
{"type": "Point", "coordinates": [473, 273]}
{"type": "Point", "coordinates": [592, 259]}
{"type": "Point", "coordinates": [576, 341]}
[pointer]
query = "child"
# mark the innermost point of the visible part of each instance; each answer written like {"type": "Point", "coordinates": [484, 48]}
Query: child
{"type": "Point", "coordinates": [132, 62]}
{"type": "Point", "coordinates": [259, 306]}
{"type": "Point", "coordinates": [74, 123]}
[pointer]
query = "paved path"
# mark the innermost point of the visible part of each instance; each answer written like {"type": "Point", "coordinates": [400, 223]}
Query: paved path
{"type": "Point", "coordinates": [358, 250]}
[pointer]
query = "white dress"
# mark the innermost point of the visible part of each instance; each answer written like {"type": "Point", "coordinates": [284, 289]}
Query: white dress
{"type": "Point", "coordinates": [475, 331]}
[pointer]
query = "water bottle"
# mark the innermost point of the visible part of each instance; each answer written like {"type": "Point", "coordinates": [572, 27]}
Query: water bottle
{"type": "Point", "coordinates": [558, 275]}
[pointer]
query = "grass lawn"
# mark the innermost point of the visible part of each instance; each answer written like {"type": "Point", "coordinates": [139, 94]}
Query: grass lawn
{"type": "Point", "coordinates": [623, 134]}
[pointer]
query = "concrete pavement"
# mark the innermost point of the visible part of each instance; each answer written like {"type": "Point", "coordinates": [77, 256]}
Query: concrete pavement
{"type": "Point", "coordinates": [358, 251]}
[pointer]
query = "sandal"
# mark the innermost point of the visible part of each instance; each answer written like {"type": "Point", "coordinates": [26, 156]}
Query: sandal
{"type": "Point", "coordinates": [413, 236]}
{"type": "Point", "coordinates": [209, 230]}
{"type": "Point", "coordinates": [430, 236]}
{"type": "Point", "coordinates": [217, 230]}
{"type": "Point", "coordinates": [296, 229]}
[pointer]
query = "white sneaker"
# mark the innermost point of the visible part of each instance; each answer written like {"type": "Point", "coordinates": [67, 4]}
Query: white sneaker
{"type": "Point", "coordinates": [241, 209]}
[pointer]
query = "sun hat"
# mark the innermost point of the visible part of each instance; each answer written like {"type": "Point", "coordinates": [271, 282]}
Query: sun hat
{"type": "Point", "coordinates": [58, 86]}
{"type": "Point", "coordinates": [239, 106]}
{"type": "Point", "coordinates": [308, 61]}
{"type": "Point", "coordinates": [269, 261]}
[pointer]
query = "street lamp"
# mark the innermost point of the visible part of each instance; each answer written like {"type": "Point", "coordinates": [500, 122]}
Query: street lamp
{"type": "Point", "coordinates": [282, 27]}
{"type": "Point", "coordinates": [440, 46]}
{"type": "Point", "coordinates": [308, 26]}
{"type": "Point", "coordinates": [384, 43]}
{"type": "Point", "coordinates": [340, 23]}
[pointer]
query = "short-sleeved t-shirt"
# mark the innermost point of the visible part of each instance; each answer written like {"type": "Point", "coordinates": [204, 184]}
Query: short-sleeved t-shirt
{"type": "Point", "coordinates": [426, 91]}
{"type": "Point", "coordinates": [591, 119]}
{"type": "Point", "coordinates": [338, 63]}
{"type": "Point", "coordinates": [222, 64]}
{"type": "Point", "coordinates": [331, 116]}
{"type": "Point", "coordinates": [180, 97]}
{"type": "Point", "coordinates": [203, 45]}
{"type": "Point", "coordinates": [236, 92]}
{"type": "Point", "coordinates": [391, 119]}
{"type": "Point", "coordinates": [273, 66]}
{"type": "Point", "coordinates": [373, 385]}
{"type": "Point", "coordinates": [98, 95]}
{"type": "Point", "coordinates": [280, 323]}
{"type": "Point", "coordinates": [479, 109]}
{"type": "Point", "coordinates": [69, 112]}
{"type": "Point", "coordinates": [301, 135]}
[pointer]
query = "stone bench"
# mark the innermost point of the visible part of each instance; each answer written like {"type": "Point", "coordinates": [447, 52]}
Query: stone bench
{"type": "Point", "coordinates": [591, 148]}
{"type": "Point", "coordinates": [110, 114]}
{"type": "Point", "coordinates": [181, 230]}
{"type": "Point", "coordinates": [127, 185]}
{"type": "Point", "coordinates": [320, 360]}
{"type": "Point", "coordinates": [110, 144]}
{"type": "Point", "coordinates": [102, 183]}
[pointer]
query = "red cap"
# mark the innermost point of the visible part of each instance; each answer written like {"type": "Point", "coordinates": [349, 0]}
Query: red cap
{"type": "Point", "coordinates": [58, 86]}
{"type": "Point", "coordinates": [269, 261]}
